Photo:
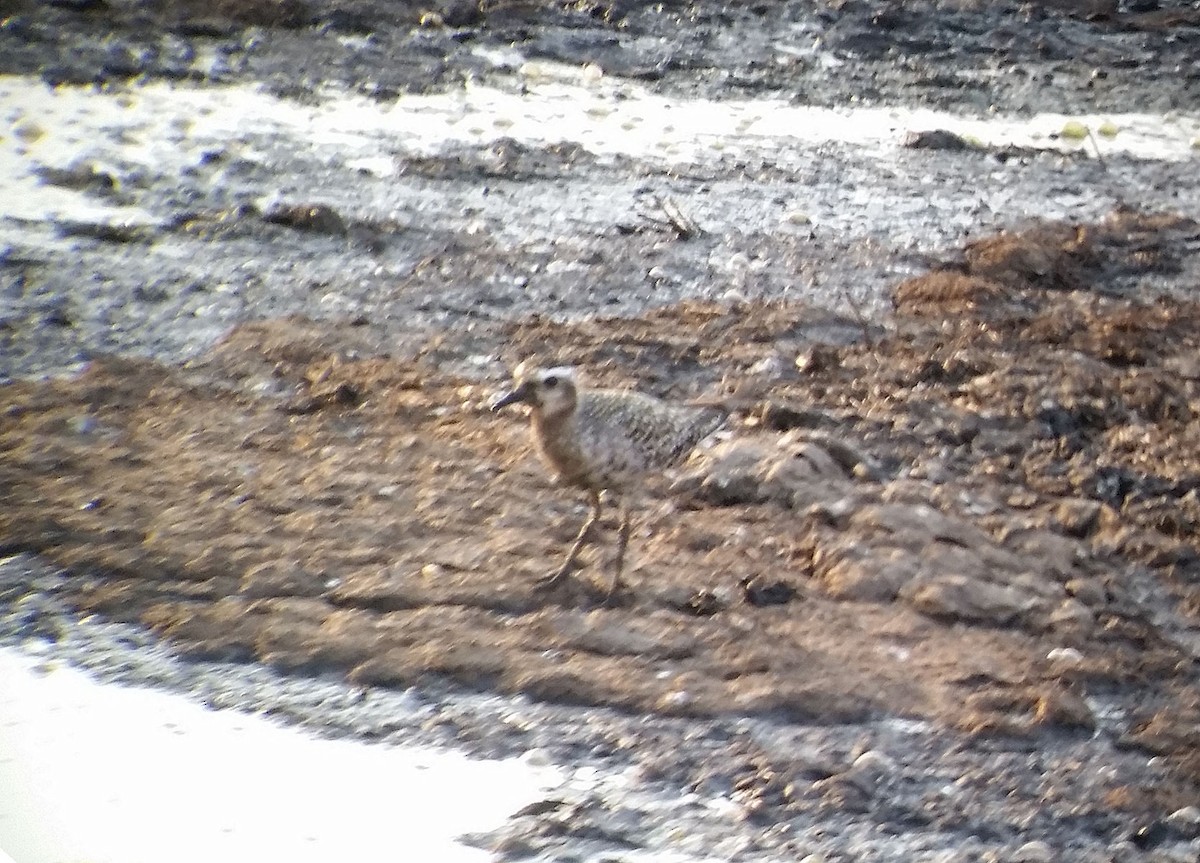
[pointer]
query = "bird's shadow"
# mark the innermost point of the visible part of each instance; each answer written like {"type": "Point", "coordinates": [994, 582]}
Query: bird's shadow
{"type": "Point", "coordinates": [577, 590]}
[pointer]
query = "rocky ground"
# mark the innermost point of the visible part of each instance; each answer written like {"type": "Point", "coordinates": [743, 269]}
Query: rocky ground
{"type": "Point", "coordinates": [934, 593]}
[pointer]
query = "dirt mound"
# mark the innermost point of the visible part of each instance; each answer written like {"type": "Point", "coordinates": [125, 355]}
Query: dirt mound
{"type": "Point", "coordinates": [985, 517]}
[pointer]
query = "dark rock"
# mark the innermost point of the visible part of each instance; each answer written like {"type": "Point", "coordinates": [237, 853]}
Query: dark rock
{"type": "Point", "coordinates": [461, 13]}
{"type": "Point", "coordinates": [703, 603]}
{"type": "Point", "coordinates": [58, 315]}
{"type": "Point", "coordinates": [1078, 517]}
{"type": "Point", "coordinates": [318, 218]}
{"type": "Point", "coordinates": [762, 591]}
{"type": "Point", "coordinates": [779, 416]}
{"type": "Point", "coordinates": [105, 232]}
{"type": "Point", "coordinates": [82, 176]}
{"type": "Point", "coordinates": [540, 807]}
{"type": "Point", "coordinates": [351, 21]}
{"type": "Point", "coordinates": [937, 139]}
{"type": "Point", "coordinates": [56, 74]}
{"type": "Point", "coordinates": [1150, 835]}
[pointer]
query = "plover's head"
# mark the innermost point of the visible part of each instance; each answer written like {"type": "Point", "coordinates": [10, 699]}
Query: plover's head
{"type": "Point", "coordinates": [549, 392]}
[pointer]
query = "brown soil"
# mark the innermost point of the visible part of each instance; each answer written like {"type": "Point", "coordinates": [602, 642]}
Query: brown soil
{"type": "Point", "coordinates": [981, 514]}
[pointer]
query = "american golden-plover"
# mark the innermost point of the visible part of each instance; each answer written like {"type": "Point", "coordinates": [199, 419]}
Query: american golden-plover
{"type": "Point", "coordinates": [604, 440]}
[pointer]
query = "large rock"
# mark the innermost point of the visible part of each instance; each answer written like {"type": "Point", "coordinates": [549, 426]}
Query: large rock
{"type": "Point", "coordinates": [960, 597]}
{"type": "Point", "coordinates": [871, 575]}
{"type": "Point", "coordinates": [789, 469]}
{"type": "Point", "coordinates": [946, 566]}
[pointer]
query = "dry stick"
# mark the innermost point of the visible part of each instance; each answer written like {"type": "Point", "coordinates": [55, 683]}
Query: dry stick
{"type": "Point", "coordinates": [1096, 147]}
{"type": "Point", "coordinates": [685, 227]}
{"type": "Point", "coordinates": [859, 317]}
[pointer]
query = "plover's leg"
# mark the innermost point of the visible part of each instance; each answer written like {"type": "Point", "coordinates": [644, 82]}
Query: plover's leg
{"type": "Point", "coordinates": [618, 560]}
{"type": "Point", "coordinates": [580, 539]}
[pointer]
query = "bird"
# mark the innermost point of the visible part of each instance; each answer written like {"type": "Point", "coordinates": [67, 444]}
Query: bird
{"type": "Point", "coordinates": [604, 440]}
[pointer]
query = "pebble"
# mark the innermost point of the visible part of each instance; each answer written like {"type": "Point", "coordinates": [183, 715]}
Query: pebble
{"type": "Point", "coordinates": [1185, 821]}
{"type": "Point", "coordinates": [537, 758]}
{"type": "Point", "coordinates": [1065, 656]}
{"type": "Point", "coordinates": [769, 367]}
{"type": "Point", "coordinates": [1086, 591]}
{"type": "Point", "coordinates": [85, 424]}
{"type": "Point", "coordinates": [872, 765]}
{"type": "Point", "coordinates": [677, 699]}
{"type": "Point", "coordinates": [1033, 852]}
{"type": "Point", "coordinates": [1073, 613]}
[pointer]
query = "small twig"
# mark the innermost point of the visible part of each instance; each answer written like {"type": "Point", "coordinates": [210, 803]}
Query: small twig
{"type": "Point", "coordinates": [685, 227]}
{"type": "Point", "coordinates": [859, 317]}
{"type": "Point", "coordinates": [1096, 147]}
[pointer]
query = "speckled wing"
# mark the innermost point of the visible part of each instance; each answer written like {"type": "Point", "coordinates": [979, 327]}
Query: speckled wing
{"type": "Point", "coordinates": [625, 434]}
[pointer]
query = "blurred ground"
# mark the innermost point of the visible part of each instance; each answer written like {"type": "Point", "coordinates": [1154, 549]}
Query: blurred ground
{"type": "Point", "coordinates": [1051, 55]}
{"type": "Point", "coordinates": [986, 519]}
{"type": "Point", "coordinates": [935, 594]}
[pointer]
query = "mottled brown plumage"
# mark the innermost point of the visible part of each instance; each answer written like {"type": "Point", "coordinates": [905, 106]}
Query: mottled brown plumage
{"type": "Point", "coordinates": [604, 440]}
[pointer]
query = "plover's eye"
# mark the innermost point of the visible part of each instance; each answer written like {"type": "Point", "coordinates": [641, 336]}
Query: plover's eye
{"type": "Point", "coordinates": [551, 381]}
